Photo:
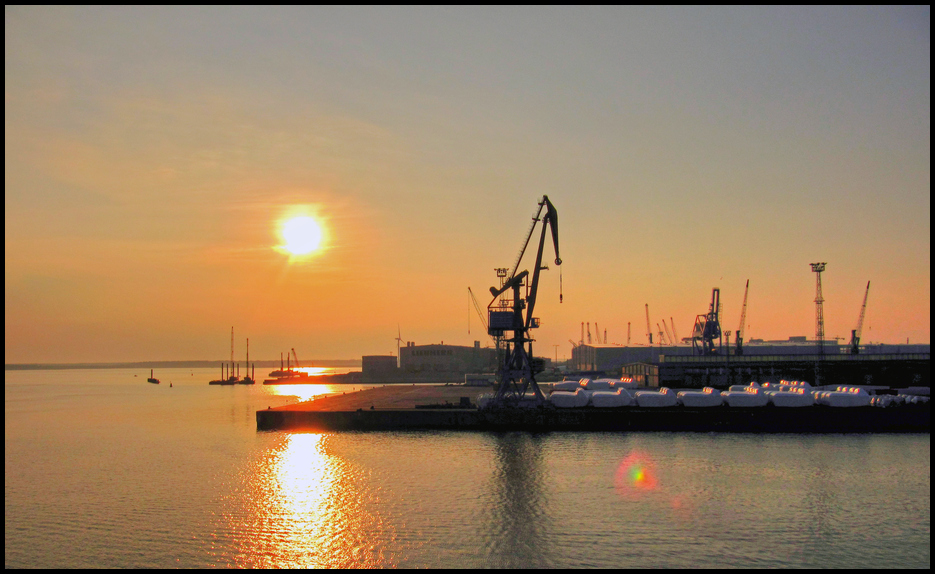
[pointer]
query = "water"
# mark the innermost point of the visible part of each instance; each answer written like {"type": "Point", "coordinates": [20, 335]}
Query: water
{"type": "Point", "coordinates": [105, 470]}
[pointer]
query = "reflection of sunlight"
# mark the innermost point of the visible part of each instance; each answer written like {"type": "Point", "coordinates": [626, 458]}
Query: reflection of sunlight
{"type": "Point", "coordinates": [308, 512]}
{"type": "Point", "coordinates": [315, 371]}
{"type": "Point", "coordinates": [303, 392]}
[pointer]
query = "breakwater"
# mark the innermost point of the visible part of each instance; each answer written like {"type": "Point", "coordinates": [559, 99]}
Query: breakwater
{"type": "Point", "coordinates": [394, 408]}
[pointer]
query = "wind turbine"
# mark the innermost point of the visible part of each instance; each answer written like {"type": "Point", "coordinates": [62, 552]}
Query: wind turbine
{"type": "Point", "coordinates": [399, 339]}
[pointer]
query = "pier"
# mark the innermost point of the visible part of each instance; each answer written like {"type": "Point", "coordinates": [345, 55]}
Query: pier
{"type": "Point", "coordinates": [425, 407]}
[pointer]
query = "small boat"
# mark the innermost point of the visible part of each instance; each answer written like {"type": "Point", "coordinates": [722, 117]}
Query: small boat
{"type": "Point", "coordinates": [151, 379]}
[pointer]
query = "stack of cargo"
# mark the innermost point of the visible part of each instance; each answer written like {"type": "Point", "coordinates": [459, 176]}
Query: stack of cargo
{"type": "Point", "coordinates": [751, 395]}
{"type": "Point", "coordinates": [618, 398]}
{"type": "Point", "coordinates": [570, 386]}
{"type": "Point", "coordinates": [707, 397]}
{"type": "Point", "coordinates": [567, 399]}
{"type": "Point", "coordinates": [843, 397]}
{"type": "Point", "coordinates": [662, 398]}
{"type": "Point", "coordinates": [799, 397]}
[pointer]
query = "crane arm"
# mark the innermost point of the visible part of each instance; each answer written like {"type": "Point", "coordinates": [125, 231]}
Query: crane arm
{"type": "Point", "coordinates": [296, 357]}
{"type": "Point", "coordinates": [863, 310]}
{"type": "Point", "coordinates": [550, 220]}
{"type": "Point", "coordinates": [480, 313]}
{"type": "Point", "coordinates": [855, 335]}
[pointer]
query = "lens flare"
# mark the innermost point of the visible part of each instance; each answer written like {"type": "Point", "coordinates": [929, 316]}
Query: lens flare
{"type": "Point", "coordinates": [636, 475]}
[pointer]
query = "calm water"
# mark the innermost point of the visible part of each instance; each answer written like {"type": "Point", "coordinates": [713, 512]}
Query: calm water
{"type": "Point", "coordinates": [105, 470]}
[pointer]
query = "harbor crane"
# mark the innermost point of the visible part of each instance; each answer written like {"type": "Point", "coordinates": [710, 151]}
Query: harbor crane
{"type": "Point", "coordinates": [668, 333]}
{"type": "Point", "coordinates": [517, 371]}
{"type": "Point", "coordinates": [662, 336]}
{"type": "Point", "coordinates": [676, 335]}
{"type": "Point", "coordinates": [649, 327]}
{"type": "Point", "coordinates": [708, 327]}
{"type": "Point", "coordinates": [738, 334]}
{"type": "Point", "coordinates": [296, 358]}
{"type": "Point", "coordinates": [855, 334]}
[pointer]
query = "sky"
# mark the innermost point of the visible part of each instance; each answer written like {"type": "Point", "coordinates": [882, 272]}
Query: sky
{"type": "Point", "coordinates": [153, 154]}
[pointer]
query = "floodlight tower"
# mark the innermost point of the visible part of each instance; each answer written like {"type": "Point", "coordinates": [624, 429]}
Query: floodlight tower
{"type": "Point", "coordinates": [819, 313]}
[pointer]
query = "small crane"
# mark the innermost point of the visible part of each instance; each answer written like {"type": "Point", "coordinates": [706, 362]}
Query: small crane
{"type": "Point", "coordinates": [738, 334]}
{"type": "Point", "coordinates": [676, 335]}
{"type": "Point", "coordinates": [855, 334]}
{"type": "Point", "coordinates": [649, 327]}
{"type": "Point", "coordinates": [668, 334]}
{"type": "Point", "coordinates": [296, 358]}
{"type": "Point", "coordinates": [708, 327]}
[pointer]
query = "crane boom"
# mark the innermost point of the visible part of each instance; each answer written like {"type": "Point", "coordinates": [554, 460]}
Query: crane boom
{"type": "Point", "coordinates": [480, 313]}
{"type": "Point", "coordinates": [676, 335]}
{"type": "Point", "coordinates": [855, 334]}
{"type": "Point", "coordinates": [738, 334]}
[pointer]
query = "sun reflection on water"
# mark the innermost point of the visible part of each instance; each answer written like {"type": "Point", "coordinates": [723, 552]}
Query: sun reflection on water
{"type": "Point", "coordinates": [309, 510]}
{"type": "Point", "coordinates": [303, 392]}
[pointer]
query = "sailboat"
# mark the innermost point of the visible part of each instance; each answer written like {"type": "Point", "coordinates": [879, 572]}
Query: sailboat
{"type": "Point", "coordinates": [151, 379]}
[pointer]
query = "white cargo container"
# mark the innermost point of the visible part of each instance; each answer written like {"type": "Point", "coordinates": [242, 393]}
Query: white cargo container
{"type": "Point", "coordinates": [706, 397]}
{"type": "Point", "coordinates": [662, 398]}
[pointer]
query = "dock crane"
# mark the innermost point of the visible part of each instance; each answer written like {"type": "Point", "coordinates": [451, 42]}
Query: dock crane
{"type": "Point", "coordinates": [668, 334]}
{"type": "Point", "coordinates": [662, 336]}
{"type": "Point", "coordinates": [296, 358]}
{"type": "Point", "coordinates": [855, 334]}
{"type": "Point", "coordinates": [517, 371]}
{"type": "Point", "coordinates": [708, 327]}
{"type": "Point", "coordinates": [676, 335]}
{"type": "Point", "coordinates": [649, 327]}
{"type": "Point", "coordinates": [738, 334]}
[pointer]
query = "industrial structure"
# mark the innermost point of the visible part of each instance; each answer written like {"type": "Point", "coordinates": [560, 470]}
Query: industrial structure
{"type": "Point", "coordinates": [517, 371]}
{"type": "Point", "coordinates": [428, 363]}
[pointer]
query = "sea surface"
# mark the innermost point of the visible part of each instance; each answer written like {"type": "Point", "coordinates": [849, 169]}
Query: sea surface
{"type": "Point", "coordinates": [103, 469]}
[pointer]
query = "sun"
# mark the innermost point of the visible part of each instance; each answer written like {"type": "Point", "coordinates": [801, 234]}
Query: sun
{"type": "Point", "coordinates": [302, 235]}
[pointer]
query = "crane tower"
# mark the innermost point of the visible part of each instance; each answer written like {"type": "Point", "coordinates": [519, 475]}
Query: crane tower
{"type": "Point", "coordinates": [817, 268]}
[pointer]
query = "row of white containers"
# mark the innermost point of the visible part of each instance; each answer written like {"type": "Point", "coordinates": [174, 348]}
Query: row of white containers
{"type": "Point", "coordinates": [619, 393]}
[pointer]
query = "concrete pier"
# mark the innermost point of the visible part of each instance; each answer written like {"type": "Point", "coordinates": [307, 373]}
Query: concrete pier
{"type": "Point", "coordinates": [395, 408]}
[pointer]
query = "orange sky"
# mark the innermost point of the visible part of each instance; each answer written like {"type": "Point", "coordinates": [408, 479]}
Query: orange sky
{"type": "Point", "coordinates": [152, 154]}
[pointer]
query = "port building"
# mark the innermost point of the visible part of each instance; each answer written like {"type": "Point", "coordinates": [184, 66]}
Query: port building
{"type": "Point", "coordinates": [762, 361]}
{"type": "Point", "coordinates": [429, 363]}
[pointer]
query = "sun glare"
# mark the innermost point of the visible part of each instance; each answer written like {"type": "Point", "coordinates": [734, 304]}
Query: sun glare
{"type": "Point", "coordinates": [302, 235]}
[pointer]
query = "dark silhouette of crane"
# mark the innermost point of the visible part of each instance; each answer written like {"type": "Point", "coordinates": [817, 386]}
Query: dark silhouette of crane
{"type": "Point", "coordinates": [738, 334]}
{"type": "Point", "coordinates": [517, 371]}
{"type": "Point", "coordinates": [649, 327]}
{"type": "Point", "coordinates": [855, 334]}
{"type": "Point", "coordinates": [708, 327]}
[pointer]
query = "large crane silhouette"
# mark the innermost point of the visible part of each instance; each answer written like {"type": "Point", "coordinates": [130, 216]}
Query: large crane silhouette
{"type": "Point", "coordinates": [517, 371]}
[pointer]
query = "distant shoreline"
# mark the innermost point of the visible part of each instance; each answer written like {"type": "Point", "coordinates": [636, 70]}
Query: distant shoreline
{"type": "Point", "coordinates": [168, 365]}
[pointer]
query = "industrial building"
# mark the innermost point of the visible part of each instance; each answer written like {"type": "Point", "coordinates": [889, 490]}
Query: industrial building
{"type": "Point", "coordinates": [761, 361]}
{"type": "Point", "coordinates": [429, 363]}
